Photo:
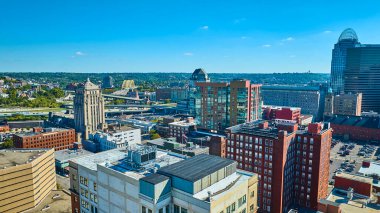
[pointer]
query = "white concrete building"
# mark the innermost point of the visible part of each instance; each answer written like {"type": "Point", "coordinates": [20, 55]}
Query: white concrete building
{"type": "Point", "coordinates": [143, 179]}
{"type": "Point", "coordinates": [117, 138]}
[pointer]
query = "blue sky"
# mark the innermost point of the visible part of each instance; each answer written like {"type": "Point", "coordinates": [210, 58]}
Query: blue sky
{"type": "Point", "coordinates": [253, 36]}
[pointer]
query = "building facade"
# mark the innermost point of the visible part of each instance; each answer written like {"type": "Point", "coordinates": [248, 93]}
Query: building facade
{"type": "Point", "coordinates": [52, 138]}
{"type": "Point", "coordinates": [361, 128]}
{"type": "Point", "coordinates": [292, 165]}
{"type": "Point", "coordinates": [221, 104]}
{"type": "Point", "coordinates": [308, 98]}
{"type": "Point", "coordinates": [347, 39]}
{"type": "Point", "coordinates": [27, 177]}
{"type": "Point", "coordinates": [180, 129]}
{"type": "Point", "coordinates": [285, 113]}
{"type": "Point", "coordinates": [89, 113]}
{"type": "Point", "coordinates": [362, 75]}
{"type": "Point", "coordinates": [348, 104]}
{"type": "Point", "coordinates": [116, 138]}
{"type": "Point", "coordinates": [107, 182]}
{"type": "Point", "coordinates": [245, 102]}
{"type": "Point", "coordinates": [199, 75]}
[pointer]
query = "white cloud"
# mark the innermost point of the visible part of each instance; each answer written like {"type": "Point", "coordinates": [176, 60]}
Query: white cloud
{"type": "Point", "coordinates": [188, 54]}
{"type": "Point", "coordinates": [204, 28]}
{"type": "Point", "coordinates": [327, 32]}
{"type": "Point", "coordinates": [288, 39]}
{"type": "Point", "coordinates": [79, 53]}
{"type": "Point", "coordinates": [266, 45]}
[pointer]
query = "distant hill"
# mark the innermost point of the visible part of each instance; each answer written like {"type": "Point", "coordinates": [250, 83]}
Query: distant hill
{"type": "Point", "coordinates": [164, 79]}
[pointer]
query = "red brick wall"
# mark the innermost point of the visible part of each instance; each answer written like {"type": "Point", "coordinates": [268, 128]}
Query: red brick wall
{"type": "Point", "coordinates": [75, 205]}
{"type": "Point", "coordinates": [217, 146]}
{"type": "Point", "coordinates": [359, 187]}
{"type": "Point", "coordinates": [356, 133]}
{"type": "Point", "coordinates": [58, 140]}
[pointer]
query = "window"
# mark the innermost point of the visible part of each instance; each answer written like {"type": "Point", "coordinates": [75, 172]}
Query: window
{"type": "Point", "coordinates": [161, 210]}
{"type": "Point", "coordinates": [167, 209]}
{"type": "Point", "coordinates": [176, 209]}
{"type": "Point", "coordinates": [251, 208]}
{"type": "Point", "coordinates": [183, 210]}
{"type": "Point", "coordinates": [95, 186]}
{"type": "Point", "coordinates": [84, 204]}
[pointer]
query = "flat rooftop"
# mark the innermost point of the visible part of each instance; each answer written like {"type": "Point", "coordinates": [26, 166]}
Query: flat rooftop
{"type": "Point", "coordinates": [46, 131]}
{"type": "Point", "coordinates": [183, 123]}
{"type": "Point", "coordinates": [163, 159]}
{"type": "Point", "coordinates": [14, 157]}
{"type": "Point", "coordinates": [359, 121]}
{"type": "Point", "coordinates": [67, 154]}
{"type": "Point", "coordinates": [155, 178]}
{"type": "Point", "coordinates": [58, 201]}
{"type": "Point", "coordinates": [117, 160]}
{"type": "Point", "coordinates": [354, 205]}
{"type": "Point", "coordinates": [117, 129]}
{"type": "Point", "coordinates": [90, 161]}
{"type": "Point", "coordinates": [355, 177]}
{"type": "Point", "coordinates": [223, 186]}
{"type": "Point", "coordinates": [374, 168]}
{"type": "Point", "coordinates": [196, 167]}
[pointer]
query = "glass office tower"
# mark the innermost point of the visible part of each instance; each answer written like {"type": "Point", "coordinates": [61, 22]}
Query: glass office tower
{"type": "Point", "coordinates": [347, 39]}
{"type": "Point", "coordinates": [362, 74]}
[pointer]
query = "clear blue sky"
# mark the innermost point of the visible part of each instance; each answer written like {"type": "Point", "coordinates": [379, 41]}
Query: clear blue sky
{"type": "Point", "coordinates": [178, 35]}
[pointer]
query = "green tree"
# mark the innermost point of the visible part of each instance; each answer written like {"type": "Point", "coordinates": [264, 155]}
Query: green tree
{"type": "Point", "coordinates": [8, 143]}
{"type": "Point", "coordinates": [153, 134]}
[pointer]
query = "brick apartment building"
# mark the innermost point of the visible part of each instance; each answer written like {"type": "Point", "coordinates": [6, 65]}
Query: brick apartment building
{"type": "Point", "coordinates": [292, 163]}
{"type": "Point", "coordinates": [180, 128]}
{"type": "Point", "coordinates": [56, 138]}
{"type": "Point", "coordinates": [286, 113]}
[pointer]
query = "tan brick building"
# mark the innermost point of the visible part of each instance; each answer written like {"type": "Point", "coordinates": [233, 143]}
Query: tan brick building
{"type": "Point", "coordinates": [89, 113]}
{"type": "Point", "coordinates": [26, 178]}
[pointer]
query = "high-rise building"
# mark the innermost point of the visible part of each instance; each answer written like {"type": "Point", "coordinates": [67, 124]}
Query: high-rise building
{"type": "Point", "coordinates": [329, 104]}
{"type": "Point", "coordinates": [292, 164]}
{"type": "Point", "coordinates": [348, 104]}
{"type": "Point", "coordinates": [362, 75]}
{"type": "Point", "coordinates": [89, 109]}
{"type": "Point", "coordinates": [245, 102]}
{"type": "Point", "coordinates": [107, 82]}
{"type": "Point", "coordinates": [199, 75]}
{"type": "Point", "coordinates": [348, 39]}
{"type": "Point", "coordinates": [222, 104]}
{"type": "Point", "coordinates": [144, 179]}
{"type": "Point", "coordinates": [27, 176]}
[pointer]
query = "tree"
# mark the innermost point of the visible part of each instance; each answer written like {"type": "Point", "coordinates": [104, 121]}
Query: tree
{"type": "Point", "coordinates": [154, 135]}
{"type": "Point", "coordinates": [8, 143]}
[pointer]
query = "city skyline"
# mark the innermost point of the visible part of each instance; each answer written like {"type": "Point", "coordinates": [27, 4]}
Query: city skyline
{"type": "Point", "coordinates": [178, 36]}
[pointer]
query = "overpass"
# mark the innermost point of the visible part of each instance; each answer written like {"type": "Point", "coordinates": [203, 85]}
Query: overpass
{"type": "Point", "coordinates": [112, 96]}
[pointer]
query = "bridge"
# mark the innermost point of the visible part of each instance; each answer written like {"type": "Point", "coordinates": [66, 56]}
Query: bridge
{"type": "Point", "coordinates": [112, 96]}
